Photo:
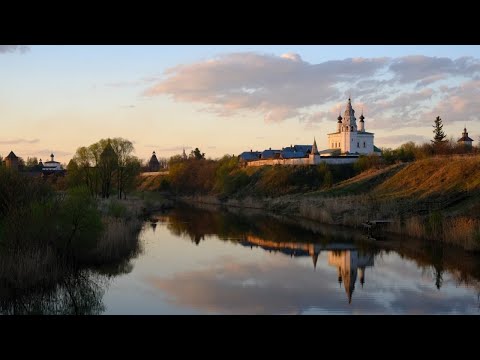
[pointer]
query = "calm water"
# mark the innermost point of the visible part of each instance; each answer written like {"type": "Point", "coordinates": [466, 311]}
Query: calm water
{"type": "Point", "coordinates": [197, 261]}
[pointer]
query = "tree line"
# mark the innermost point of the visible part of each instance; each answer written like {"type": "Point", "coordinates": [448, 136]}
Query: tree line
{"type": "Point", "coordinates": [105, 167]}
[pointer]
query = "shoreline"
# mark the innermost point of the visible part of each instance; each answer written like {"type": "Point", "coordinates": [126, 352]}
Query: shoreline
{"type": "Point", "coordinates": [294, 205]}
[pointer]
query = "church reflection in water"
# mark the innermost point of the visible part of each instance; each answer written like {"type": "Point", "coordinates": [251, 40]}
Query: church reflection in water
{"type": "Point", "coordinates": [349, 261]}
{"type": "Point", "coordinates": [350, 264]}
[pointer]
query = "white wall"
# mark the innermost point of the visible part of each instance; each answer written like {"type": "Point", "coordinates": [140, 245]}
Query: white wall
{"type": "Point", "coordinates": [312, 160]}
{"type": "Point", "coordinates": [348, 142]}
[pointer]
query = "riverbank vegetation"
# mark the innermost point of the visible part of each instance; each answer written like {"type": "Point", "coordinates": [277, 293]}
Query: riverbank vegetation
{"type": "Point", "coordinates": [429, 191]}
{"type": "Point", "coordinates": [46, 234]}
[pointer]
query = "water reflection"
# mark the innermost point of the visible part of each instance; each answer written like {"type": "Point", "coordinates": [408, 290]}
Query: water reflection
{"type": "Point", "coordinates": [202, 260]}
{"type": "Point", "coordinates": [350, 262]}
{"type": "Point", "coordinates": [401, 283]}
{"type": "Point", "coordinates": [77, 294]}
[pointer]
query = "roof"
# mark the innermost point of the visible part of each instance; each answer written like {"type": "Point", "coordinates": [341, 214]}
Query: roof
{"type": "Point", "coordinates": [364, 132]}
{"type": "Point", "coordinates": [270, 154]}
{"type": "Point", "coordinates": [154, 160]}
{"type": "Point", "coordinates": [376, 149]}
{"type": "Point", "coordinates": [292, 154]}
{"type": "Point", "coordinates": [329, 151]}
{"type": "Point", "coordinates": [303, 148]}
{"type": "Point", "coordinates": [337, 132]}
{"type": "Point", "coordinates": [11, 156]}
{"type": "Point", "coordinates": [349, 110]}
{"type": "Point", "coordinates": [250, 155]}
{"type": "Point", "coordinates": [465, 138]}
{"type": "Point", "coordinates": [314, 147]}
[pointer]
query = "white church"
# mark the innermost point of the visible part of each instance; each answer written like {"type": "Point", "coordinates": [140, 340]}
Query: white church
{"type": "Point", "coordinates": [344, 146]}
{"type": "Point", "coordinates": [349, 138]}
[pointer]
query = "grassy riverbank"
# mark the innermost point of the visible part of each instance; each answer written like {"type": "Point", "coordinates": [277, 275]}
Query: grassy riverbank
{"type": "Point", "coordinates": [437, 198]}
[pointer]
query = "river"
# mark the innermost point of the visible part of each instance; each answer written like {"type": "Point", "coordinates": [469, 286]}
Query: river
{"type": "Point", "coordinates": [211, 261]}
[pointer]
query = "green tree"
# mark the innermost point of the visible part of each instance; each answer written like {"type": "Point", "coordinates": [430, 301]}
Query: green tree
{"type": "Point", "coordinates": [129, 174]}
{"type": "Point", "coordinates": [74, 174]}
{"type": "Point", "coordinates": [84, 168]}
{"type": "Point", "coordinates": [197, 154]}
{"type": "Point", "coordinates": [107, 165]}
{"type": "Point", "coordinates": [31, 162]}
{"type": "Point", "coordinates": [104, 166]}
{"type": "Point", "coordinates": [123, 148]}
{"type": "Point", "coordinates": [439, 135]}
{"type": "Point", "coordinates": [175, 159]}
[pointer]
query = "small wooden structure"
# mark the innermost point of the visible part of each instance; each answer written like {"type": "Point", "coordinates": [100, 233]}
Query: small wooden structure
{"type": "Point", "coordinates": [373, 226]}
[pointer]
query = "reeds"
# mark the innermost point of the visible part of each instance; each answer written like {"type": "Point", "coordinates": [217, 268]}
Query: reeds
{"type": "Point", "coordinates": [120, 239]}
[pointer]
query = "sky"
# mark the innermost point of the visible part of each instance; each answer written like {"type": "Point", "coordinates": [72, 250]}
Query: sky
{"type": "Point", "coordinates": [229, 99]}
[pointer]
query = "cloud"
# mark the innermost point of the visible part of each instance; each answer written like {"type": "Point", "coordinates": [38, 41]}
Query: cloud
{"type": "Point", "coordinates": [276, 86]}
{"type": "Point", "coordinates": [418, 68]}
{"type": "Point", "coordinates": [276, 284]}
{"type": "Point", "coordinates": [395, 92]}
{"type": "Point", "coordinates": [459, 104]}
{"type": "Point", "coordinates": [19, 141]}
{"type": "Point", "coordinates": [13, 48]}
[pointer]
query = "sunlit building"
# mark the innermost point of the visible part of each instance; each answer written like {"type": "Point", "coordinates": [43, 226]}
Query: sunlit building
{"type": "Point", "coordinates": [465, 140]}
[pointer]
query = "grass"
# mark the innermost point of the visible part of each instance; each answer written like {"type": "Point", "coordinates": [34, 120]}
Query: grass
{"type": "Point", "coordinates": [436, 199]}
{"type": "Point", "coordinates": [119, 240]}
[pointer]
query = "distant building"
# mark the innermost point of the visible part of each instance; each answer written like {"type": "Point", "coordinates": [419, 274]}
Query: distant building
{"type": "Point", "coordinates": [349, 138]}
{"type": "Point", "coordinates": [465, 140]}
{"type": "Point", "coordinates": [344, 146]}
{"type": "Point", "coordinates": [250, 156]}
{"type": "Point", "coordinates": [153, 164]}
{"type": "Point", "coordinates": [52, 167]}
{"type": "Point", "coordinates": [11, 161]}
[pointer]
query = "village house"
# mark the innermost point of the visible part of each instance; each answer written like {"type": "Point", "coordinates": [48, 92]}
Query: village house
{"type": "Point", "coordinates": [465, 140]}
{"type": "Point", "coordinates": [51, 167]}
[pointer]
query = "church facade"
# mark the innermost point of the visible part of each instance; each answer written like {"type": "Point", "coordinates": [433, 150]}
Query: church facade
{"type": "Point", "coordinates": [350, 138]}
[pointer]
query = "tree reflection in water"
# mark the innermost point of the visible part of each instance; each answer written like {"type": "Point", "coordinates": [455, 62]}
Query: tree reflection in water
{"type": "Point", "coordinates": [80, 292]}
{"type": "Point", "coordinates": [299, 237]}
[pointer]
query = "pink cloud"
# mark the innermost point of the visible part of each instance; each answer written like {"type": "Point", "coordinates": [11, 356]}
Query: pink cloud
{"type": "Point", "coordinates": [287, 87]}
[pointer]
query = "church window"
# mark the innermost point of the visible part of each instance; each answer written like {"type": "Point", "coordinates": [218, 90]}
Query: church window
{"type": "Point", "coordinates": [358, 144]}
{"type": "Point", "coordinates": [364, 144]}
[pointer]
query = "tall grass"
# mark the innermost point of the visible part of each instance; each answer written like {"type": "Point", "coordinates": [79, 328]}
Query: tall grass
{"type": "Point", "coordinates": [119, 240]}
